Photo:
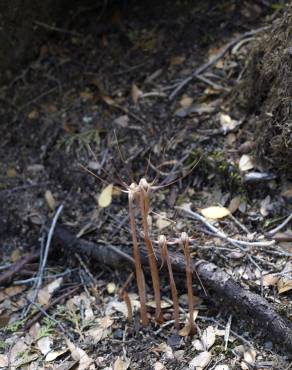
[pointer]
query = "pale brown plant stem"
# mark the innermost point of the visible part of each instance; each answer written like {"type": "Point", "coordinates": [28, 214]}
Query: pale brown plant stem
{"type": "Point", "coordinates": [144, 206]}
{"type": "Point", "coordinates": [185, 243]}
{"type": "Point", "coordinates": [137, 258]}
{"type": "Point", "coordinates": [125, 296]}
{"type": "Point", "coordinates": [165, 256]}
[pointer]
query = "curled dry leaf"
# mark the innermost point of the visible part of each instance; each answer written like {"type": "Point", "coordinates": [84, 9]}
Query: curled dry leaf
{"type": "Point", "coordinates": [245, 163]}
{"type": "Point", "coordinates": [50, 200]}
{"type": "Point", "coordinates": [159, 366]}
{"type": "Point", "coordinates": [4, 361]}
{"type": "Point", "coordinates": [105, 197]}
{"type": "Point", "coordinates": [270, 280]}
{"type": "Point", "coordinates": [79, 355]}
{"type": "Point", "coordinates": [249, 359]}
{"type": "Point", "coordinates": [208, 337]}
{"type": "Point", "coordinates": [284, 285]}
{"type": "Point", "coordinates": [200, 361]}
{"type": "Point", "coordinates": [136, 93]}
{"type": "Point", "coordinates": [44, 294]}
{"type": "Point", "coordinates": [51, 356]}
{"type": "Point", "coordinates": [186, 101]}
{"type": "Point", "coordinates": [215, 212]}
{"type": "Point", "coordinates": [227, 123]}
{"type": "Point", "coordinates": [111, 288]}
{"type": "Point", "coordinates": [234, 204]}
{"type": "Point", "coordinates": [162, 222]}
{"type": "Point", "coordinates": [44, 344]}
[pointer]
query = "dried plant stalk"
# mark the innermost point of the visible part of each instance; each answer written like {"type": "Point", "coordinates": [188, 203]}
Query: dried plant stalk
{"type": "Point", "coordinates": [137, 258]}
{"type": "Point", "coordinates": [127, 300]}
{"type": "Point", "coordinates": [144, 205]}
{"type": "Point", "coordinates": [185, 243]}
{"type": "Point", "coordinates": [125, 296]}
{"type": "Point", "coordinates": [165, 257]}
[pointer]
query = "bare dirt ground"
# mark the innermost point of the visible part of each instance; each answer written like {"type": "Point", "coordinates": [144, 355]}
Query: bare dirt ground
{"type": "Point", "coordinates": [97, 99]}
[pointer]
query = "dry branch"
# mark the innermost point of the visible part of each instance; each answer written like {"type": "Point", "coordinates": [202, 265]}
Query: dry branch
{"type": "Point", "coordinates": [255, 309]}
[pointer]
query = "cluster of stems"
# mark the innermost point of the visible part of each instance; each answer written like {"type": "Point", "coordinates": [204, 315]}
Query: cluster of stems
{"type": "Point", "coordinates": [139, 194]}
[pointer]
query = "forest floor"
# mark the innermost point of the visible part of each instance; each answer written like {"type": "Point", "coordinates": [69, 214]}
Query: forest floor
{"type": "Point", "coordinates": [99, 99]}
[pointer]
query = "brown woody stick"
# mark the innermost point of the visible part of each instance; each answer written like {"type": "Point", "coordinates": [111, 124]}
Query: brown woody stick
{"type": "Point", "coordinates": [165, 257]}
{"type": "Point", "coordinates": [144, 206]}
{"type": "Point", "coordinates": [137, 257]}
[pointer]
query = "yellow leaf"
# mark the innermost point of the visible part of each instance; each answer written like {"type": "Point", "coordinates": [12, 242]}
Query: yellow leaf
{"type": "Point", "coordinates": [34, 114]}
{"type": "Point", "coordinates": [105, 197]}
{"type": "Point", "coordinates": [215, 212]}
{"type": "Point", "coordinates": [111, 287]}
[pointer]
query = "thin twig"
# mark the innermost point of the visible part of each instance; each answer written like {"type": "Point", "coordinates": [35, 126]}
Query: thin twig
{"type": "Point", "coordinates": [57, 29]}
{"type": "Point", "coordinates": [280, 227]}
{"type": "Point", "coordinates": [214, 60]}
{"type": "Point", "coordinates": [46, 253]}
{"type": "Point", "coordinates": [221, 234]}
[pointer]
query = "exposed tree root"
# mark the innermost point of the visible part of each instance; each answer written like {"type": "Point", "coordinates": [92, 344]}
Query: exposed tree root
{"type": "Point", "coordinates": [223, 287]}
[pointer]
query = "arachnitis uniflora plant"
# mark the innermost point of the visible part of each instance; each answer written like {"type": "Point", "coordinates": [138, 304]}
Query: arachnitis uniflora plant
{"type": "Point", "coordinates": [144, 192]}
{"type": "Point", "coordinates": [186, 248]}
{"type": "Point", "coordinates": [165, 258]}
{"type": "Point", "coordinates": [132, 194]}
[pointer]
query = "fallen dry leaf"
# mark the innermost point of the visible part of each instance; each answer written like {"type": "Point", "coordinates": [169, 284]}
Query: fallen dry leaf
{"type": "Point", "coordinates": [284, 285]}
{"type": "Point", "coordinates": [249, 359]}
{"type": "Point", "coordinates": [105, 197]}
{"type": "Point", "coordinates": [270, 280]}
{"type": "Point", "coordinates": [51, 356]}
{"type": "Point", "coordinates": [177, 60]}
{"type": "Point", "coordinates": [200, 361]}
{"type": "Point", "coordinates": [44, 344]}
{"type": "Point", "coordinates": [159, 366]}
{"type": "Point", "coordinates": [215, 212]}
{"type": "Point", "coordinates": [121, 364]}
{"type": "Point", "coordinates": [208, 337]}
{"type": "Point", "coordinates": [162, 222]}
{"type": "Point", "coordinates": [227, 123]}
{"type": "Point", "coordinates": [50, 200]}
{"type": "Point", "coordinates": [111, 287]}
{"type": "Point", "coordinates": [136, 93]}
{"type": "Point", "coordinates": [234, 204]}
{"type": "Point", "coordinates": [245, 163]}
{"type": "Point", "coordinates": [79, 355]}
{"type": "Point", "coordinates": [44, 294]}
{"type": "Point", "coordinates": [3, 361]}
{"type": "Point", "coordinates": [186, 101]}
{"type": "Point", "coordinates": [34, 114]}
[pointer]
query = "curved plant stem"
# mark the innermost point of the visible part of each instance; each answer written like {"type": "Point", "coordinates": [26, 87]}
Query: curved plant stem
{"type": "Point", "coordinates": [144, 206]}
{"type": "Point", "coordinates": [137, 258]}
{"type": "Point", "coordinates": [165, 257]}
{"type": "Point", "coordinates": [185, 243]}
